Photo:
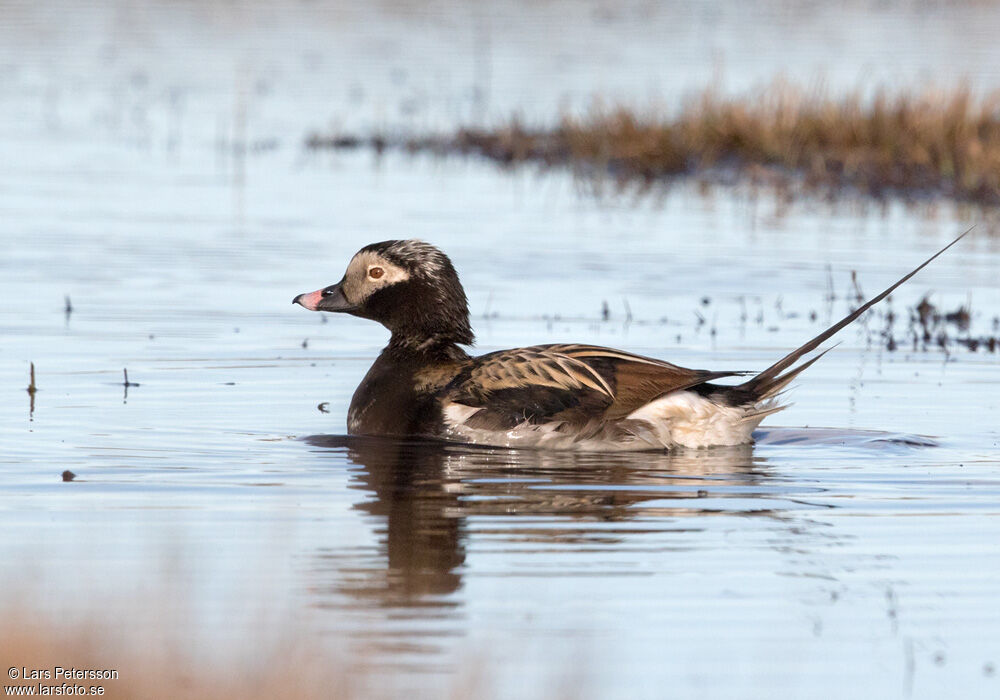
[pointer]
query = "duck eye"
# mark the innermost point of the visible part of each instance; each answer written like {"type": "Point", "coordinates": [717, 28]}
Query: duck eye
{"type": "Point", "coordinates": [376, 272]}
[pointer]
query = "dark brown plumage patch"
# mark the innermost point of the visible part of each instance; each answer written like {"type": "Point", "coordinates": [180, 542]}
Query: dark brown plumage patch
{"type": "Point", "coordinates": [507, 408]}
{"type": "Point", "coordinates": [575, 384]}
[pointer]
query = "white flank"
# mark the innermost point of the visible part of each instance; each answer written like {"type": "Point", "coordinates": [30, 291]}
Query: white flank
{"type": "Point", "coordinates": [690, 420]}
{"type": "Point", "coordinates": [680, 419]}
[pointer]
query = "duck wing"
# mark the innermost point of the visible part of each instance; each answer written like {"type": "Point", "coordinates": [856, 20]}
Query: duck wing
{"type": "Point", "coordinates": [636, 379]}
{"type": "Point", "coordinates": [566, 385]}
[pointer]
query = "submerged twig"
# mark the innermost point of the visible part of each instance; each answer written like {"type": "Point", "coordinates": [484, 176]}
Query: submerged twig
{"type": "Point", "coordinates": [127, 383]}
{"type": "Point", "coordinates": [32, 389]}
{"type": "Point", "coordinates": [859, 296]}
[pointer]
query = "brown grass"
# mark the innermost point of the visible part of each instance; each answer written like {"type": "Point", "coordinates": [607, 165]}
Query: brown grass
{"type": "Point", "coordinates": [148, 669]}
{"type": "Point", "coordinates": [938, 142]}
{"type": "Point", "coordinates": [155, 663]}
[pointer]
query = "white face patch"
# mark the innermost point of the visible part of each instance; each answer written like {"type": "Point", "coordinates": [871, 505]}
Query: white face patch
{"type": "Point", "coordinates": [363, 278]}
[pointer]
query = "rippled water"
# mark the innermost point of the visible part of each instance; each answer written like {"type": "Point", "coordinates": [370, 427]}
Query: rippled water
{"type": "Point", "coordinates": [154, 175]}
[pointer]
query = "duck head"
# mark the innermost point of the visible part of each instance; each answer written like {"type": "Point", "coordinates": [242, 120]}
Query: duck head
{"type": "Point", "coordinates": [410, 287]}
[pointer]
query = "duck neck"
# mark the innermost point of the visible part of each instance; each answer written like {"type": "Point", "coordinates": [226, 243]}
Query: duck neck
{"type": "Point", "coordinates": [403, 346]}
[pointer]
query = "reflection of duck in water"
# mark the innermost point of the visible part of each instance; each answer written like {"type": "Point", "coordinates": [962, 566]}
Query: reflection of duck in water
{"type": "Point", "coordinates": [434, 502]}
{"type": "Point", "coordinates": [427, 492]}
{"type": "Point", "coordinates": [571, 397]}
{"type": "Point", "coordinates": [422, 538]}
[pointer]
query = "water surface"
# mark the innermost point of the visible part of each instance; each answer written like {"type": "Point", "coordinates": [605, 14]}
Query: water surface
{"type": "Point", "coordinates": [154, 175]}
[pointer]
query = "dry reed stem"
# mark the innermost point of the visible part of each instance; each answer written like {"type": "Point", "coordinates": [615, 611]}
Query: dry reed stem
{"type": "Point", "coordinates": [936, 142]}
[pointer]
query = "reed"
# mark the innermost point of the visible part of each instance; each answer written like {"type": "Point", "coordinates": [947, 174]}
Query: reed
{"type": "Point", "coordinates": [935, 142]}
{"type": "Point", "coordinates": [146, 665]}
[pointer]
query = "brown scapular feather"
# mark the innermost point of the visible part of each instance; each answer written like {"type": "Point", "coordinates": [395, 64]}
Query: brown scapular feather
{"type": "Point", "coordinates": [637, 380]}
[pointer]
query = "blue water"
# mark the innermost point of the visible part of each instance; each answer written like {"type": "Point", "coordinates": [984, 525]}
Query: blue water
{"type": "Point", "coordinates": [154, 174]}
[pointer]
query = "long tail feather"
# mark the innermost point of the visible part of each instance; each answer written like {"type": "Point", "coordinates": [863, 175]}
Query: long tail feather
{"type": "Point", "coordinates": [782, 380]}
{"type": "Point", "coordinates": [770, 381]}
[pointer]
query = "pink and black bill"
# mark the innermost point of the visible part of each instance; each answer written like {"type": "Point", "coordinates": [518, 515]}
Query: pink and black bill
{"type": "Point", "coordinates": [327, 299]}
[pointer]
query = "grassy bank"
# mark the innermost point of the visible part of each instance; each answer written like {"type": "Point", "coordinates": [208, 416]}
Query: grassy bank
{"type": "Point", "coordinates": [144, 667]}
{"type": "Point", "coordinates": [939, 142]}
{"type": "Point", "coordinates": [111, 658]}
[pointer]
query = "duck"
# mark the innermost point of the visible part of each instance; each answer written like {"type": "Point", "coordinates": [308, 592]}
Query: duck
{"type": "Point", "coordinates": [425, 385]}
